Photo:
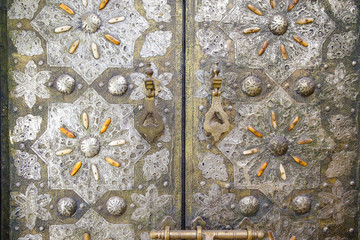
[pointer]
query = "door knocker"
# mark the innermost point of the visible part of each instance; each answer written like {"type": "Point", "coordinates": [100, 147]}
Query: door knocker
{"type": "Point", "coordinates": [148, 122]}
{"type": "Point", "coordinates": [216, 119]}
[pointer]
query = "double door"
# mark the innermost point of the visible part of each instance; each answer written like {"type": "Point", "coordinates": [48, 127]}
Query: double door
{"type": "Point", "coordinates": [124, 116]}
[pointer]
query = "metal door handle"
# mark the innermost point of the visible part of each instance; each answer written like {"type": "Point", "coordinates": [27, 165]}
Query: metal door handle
{"type": "Point", "coordinates": [154, 129]}
{"type": "Point", "coordinates": [215, 128]}
{"type": "Point", "coordinates": [200, 234]}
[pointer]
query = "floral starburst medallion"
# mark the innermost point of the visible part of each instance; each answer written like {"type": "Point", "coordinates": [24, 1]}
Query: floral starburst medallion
{"type": "Point", "coordinates": [90, 36]}
{"type": "Point", "coordinates": [277, 145]}
{"type": "Point", "coordinates": [277, 35]}
{"type": "Point", "coordinates": [90, 146]}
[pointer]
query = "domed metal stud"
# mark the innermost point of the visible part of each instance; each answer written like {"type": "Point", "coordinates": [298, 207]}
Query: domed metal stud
{"type": "Point", "coordinates": [90, 146]}
{"type": "Point", "coordinates": [65, 84]}
{"type": "Point", "coordinates": [90, 22]}
{"type": "Point", "coordinates": [116, 206]}
{"type": "Point", "coordinates": [251, 86]}
{"type": "Point", "coordinates": [278, 145]}
{"type": "Point", "coordinates": [249, 205]}
{"type": "Point", "coordinates": [66, 207]}
{"type": "Point", "coordinates": [117, 85]}
{"type": "Point", "coordinates": [305, 86]}
{"type": "Point", "coordinates": [278, 25]}
{"type": "Point", "coordinates": [301, 204]}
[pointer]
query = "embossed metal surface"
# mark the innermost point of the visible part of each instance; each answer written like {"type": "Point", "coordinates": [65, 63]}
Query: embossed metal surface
{"type": "Point", "coordinates": [289, 161]}
{"type": "Point", "coordinates": [79, 168]}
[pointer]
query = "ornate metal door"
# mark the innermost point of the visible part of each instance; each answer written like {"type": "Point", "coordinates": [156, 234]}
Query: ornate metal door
{"type": "Point", "coordinates": [287, 160]}
{"type": "Point", "coordinates": [94, 143]}
{"type": "Point", "coordinates": [93, 152]}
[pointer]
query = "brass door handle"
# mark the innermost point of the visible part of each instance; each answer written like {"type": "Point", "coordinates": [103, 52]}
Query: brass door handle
{"type": "Point", "coordinates": [200, 234]}
{"type": "Point", "coordinates": [216, 128]}
{"type": "Point", "coordinates": [156, 126]}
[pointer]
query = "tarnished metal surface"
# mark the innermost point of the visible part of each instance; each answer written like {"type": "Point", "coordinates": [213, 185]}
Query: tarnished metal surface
{"type": "Point", "coordinates": [290, 87]}
{"type": "Point", "coordinates": [79, 168]}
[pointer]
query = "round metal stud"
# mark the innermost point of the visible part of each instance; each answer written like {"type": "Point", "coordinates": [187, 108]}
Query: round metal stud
{"type": "Point", "coordinates": [278, 145]}
{"type": "Point", "coordinates": [305, 86]}
{"type": "Point", "coordinates": [278, 24]}
{"type": "Point", "coordinates": [301, 205]}
{"type": "Point", "coordinates": [251, 86]}
{"type": "Point", "coordinates": [249, 205]}
{"type": "Point", "coordinates": [90, 22]}
{"type": "Point", "coordinates": [65, 84]}
{"type": "Point", "coordinates": [116, 206]}
{"type": "Point", "coordinates": [117, 85]}
{"type": "Point", "coordinates": [66, 207]}
{"type": "Point", "coordinates": [90, 146]}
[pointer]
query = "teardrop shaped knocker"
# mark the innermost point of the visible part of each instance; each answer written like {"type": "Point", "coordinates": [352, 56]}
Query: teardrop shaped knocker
{"type": "Point", "coordinates": [148, 122]}
{"type": "Point", "coordinates": [216, 119]}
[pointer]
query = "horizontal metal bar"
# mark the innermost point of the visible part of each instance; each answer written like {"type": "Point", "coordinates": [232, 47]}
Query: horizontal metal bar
{"type": "Point", "coordinates": [209, 234]}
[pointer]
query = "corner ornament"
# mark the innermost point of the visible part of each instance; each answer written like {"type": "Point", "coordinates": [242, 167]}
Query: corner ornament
{"type": "Point", "coordinates": [148, 122]}
{"type": "Point", "coordinates": [216, 119]}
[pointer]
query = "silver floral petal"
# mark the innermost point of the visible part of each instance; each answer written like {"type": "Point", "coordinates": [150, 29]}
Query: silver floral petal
{"type": "Point", "coordinates": [31, 84]}
{"type": "Point", "coordinates": [31, 206]}
{"type": "Point", "coordinates": [149, 204]}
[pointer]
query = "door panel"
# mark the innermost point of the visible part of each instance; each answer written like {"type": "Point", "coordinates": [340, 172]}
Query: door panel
{"type": "Point", "coordinates": [95, 135]}
{"type": "Point", "coordinates": [288, 161]}
{"type": "Point", "coordinates": [81, 159]}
